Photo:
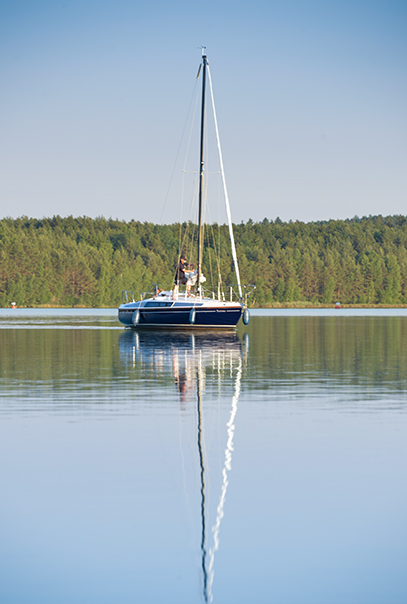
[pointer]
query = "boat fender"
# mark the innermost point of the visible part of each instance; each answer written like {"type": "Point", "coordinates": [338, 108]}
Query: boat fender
{"type": "Point", "coordinates": [135, 317]}
{"type": "Point", "coordinates": [246, 316]}
{"type": "Point", "coordinates": [192, 316]}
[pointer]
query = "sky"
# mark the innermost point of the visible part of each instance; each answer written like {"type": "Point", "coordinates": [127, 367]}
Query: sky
{"type": "Point", "coordinates": [311, 100]}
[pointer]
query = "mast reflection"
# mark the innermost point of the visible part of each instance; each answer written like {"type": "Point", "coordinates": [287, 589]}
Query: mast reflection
{"type": "Point", "coordinates": [190, 357]}
{"type": "Point", "coordinates": [201, 463]}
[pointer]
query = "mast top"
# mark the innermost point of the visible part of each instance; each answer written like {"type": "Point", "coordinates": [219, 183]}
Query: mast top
{"type": "Point", "coordinates": [203, 51]}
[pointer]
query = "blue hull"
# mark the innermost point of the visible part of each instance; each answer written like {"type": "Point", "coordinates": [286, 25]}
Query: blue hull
{"type": "Point", "coordinates": [179, 318]}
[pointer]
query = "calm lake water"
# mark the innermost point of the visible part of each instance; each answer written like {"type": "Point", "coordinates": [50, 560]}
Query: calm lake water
{"type": "Point", "coordinates": [263, 466]}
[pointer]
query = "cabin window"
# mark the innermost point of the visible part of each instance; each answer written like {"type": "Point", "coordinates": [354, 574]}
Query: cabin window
{"type": "Point", "coordinates": [157, 304]}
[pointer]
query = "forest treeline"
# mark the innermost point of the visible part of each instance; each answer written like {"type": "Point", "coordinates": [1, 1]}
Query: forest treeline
{"type": "Point", "coordinates": [88, 262]}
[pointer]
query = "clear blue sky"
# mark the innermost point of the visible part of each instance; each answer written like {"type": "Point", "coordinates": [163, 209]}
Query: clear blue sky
{"type": "Point", "coordinates": [311, 100]}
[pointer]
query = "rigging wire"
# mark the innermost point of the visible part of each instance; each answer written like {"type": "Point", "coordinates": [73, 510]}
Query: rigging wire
{"type": "Point", "coordinates": [193, 206]}
{"type": "Point", "coordinates": [179, 147]}
{"type": "Point", "coordinates": [216, 251]}
{"type": "Point", "coordinates": [184, 171]}
{"type": "Point", "coordinates": [173, 171]}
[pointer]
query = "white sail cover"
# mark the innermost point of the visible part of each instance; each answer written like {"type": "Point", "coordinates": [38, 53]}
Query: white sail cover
{"type": "Point", "coordinates": [232, 239]}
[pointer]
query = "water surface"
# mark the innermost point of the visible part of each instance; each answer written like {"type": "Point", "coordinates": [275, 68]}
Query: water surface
{"type": "Point", "coordinates": [262, 466]}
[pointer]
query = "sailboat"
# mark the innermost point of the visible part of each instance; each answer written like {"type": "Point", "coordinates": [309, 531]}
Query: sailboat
{"type": "Point", "coordinates": [174, 309]}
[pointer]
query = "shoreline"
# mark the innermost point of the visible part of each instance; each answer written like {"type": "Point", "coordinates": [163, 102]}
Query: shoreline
{"type": "Point", "coordinates": [294, 305]}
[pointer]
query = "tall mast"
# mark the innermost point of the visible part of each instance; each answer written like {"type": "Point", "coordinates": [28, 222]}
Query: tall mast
{"type": "Point", "coordinates": [201, 172]}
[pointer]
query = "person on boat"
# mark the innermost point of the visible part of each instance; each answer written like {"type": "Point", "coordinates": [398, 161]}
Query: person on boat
{"type": "Point", "coordinates": [180, 276]}
{"type": "Point", "coordinates": [157, 290]}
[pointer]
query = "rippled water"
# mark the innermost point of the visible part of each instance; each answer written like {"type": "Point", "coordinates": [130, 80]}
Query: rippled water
{"type": "Point", "coordinates": [263, 466]}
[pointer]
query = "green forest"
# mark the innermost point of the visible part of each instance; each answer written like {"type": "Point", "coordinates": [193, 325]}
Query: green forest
{"type": "Point", "coordinates": [88, 262]}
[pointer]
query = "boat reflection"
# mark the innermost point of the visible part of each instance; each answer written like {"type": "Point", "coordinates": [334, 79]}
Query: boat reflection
{"type": "Point", "coordinates": [191, 357]}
